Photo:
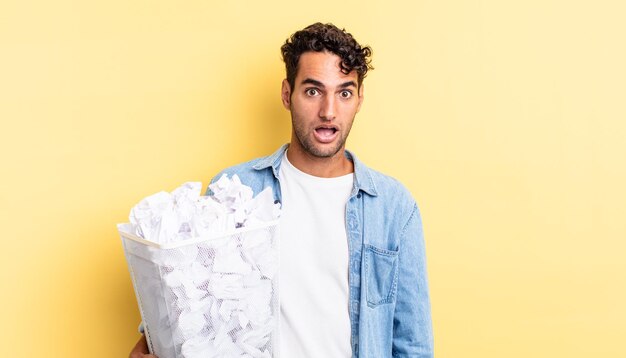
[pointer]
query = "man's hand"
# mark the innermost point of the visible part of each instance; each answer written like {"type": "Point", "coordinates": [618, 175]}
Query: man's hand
{"type": "Point", "coordinates": [141, 349]}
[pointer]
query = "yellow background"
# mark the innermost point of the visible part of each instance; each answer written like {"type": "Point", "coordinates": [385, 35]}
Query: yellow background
{"type": "Point", "coordinates": [506, 120]}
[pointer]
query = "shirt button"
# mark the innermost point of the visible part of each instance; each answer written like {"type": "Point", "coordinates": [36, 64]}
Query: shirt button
{"type": "Point", "coordinates": [358, 195]}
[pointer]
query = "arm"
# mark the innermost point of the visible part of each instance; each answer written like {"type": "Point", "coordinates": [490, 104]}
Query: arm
{"type": "Point", "coordinates": [412, 326]}
{"type": "Point", "coordinates": [141, 349]}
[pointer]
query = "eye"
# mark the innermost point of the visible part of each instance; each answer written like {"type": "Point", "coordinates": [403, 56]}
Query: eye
{"type": "Point", "coordinates": [312, 92]}
{"type": "Point", "coordinates": [345, 94]}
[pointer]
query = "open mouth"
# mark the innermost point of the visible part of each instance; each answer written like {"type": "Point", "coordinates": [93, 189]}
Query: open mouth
{"type": "Point", "coordinates": [326, 131]}
{"type": "Point", "coordinates": [326, 134]}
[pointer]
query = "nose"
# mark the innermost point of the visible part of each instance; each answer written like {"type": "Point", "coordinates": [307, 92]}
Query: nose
{"type": "Point", "coordinates": [327, 108]}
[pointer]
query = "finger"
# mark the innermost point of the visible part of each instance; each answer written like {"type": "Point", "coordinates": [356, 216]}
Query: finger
{"type": "Point", "coordinates": [141, 349]}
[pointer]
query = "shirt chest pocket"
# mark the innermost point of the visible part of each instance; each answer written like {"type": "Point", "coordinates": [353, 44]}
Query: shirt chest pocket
{"type": "Point", "coordinates": [381, 272]}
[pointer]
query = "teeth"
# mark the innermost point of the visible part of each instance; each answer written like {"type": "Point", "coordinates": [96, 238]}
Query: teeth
{"type": "Point", "coordinates": [326, 131]}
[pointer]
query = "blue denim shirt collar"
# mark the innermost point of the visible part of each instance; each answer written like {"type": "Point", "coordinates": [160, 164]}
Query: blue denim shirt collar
{"type": "Point", "coordinates": [362, 176]}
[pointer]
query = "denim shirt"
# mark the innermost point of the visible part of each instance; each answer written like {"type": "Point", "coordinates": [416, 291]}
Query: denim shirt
{"type": "Point", "coordinates": [388, 288]}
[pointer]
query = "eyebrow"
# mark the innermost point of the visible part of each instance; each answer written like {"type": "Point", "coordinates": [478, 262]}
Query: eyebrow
{"type": "Point", "coordinates": [321, 85]}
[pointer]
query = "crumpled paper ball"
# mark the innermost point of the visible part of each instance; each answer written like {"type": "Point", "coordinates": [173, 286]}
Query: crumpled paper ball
{"type": "Point", "coordinates": [215, 297]}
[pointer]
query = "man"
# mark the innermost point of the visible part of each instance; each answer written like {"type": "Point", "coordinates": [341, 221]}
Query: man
{"type": "Point", "coordinates": [353, 273]}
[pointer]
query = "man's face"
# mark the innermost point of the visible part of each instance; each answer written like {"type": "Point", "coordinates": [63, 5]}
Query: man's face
{"type": "Point", "coordinates": [323, 104]}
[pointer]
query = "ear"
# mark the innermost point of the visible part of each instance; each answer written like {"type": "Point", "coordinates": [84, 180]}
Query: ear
{"type": "Point", "coordinates": [285, 94]}
{"type": "Point", "coordinates": [361, 97]}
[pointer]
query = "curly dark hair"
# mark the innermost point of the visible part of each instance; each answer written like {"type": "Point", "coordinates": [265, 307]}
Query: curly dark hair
{"type": "Point", "coordinates": [326, 37]}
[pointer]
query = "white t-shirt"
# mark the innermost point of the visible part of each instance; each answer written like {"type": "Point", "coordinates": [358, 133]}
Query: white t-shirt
{"type": "Point", "coordinates": [314, 290]}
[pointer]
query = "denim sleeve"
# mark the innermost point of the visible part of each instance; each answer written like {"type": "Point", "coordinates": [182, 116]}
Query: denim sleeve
{"type": "Point", "coordinates": [412, 325]}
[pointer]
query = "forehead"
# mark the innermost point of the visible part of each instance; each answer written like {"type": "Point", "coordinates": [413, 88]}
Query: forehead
{"type": "Point", "coordinates": [323, 67]}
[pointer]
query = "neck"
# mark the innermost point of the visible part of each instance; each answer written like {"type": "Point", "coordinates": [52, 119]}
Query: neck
{"type": "Point", "coordinates": [327, 167]}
